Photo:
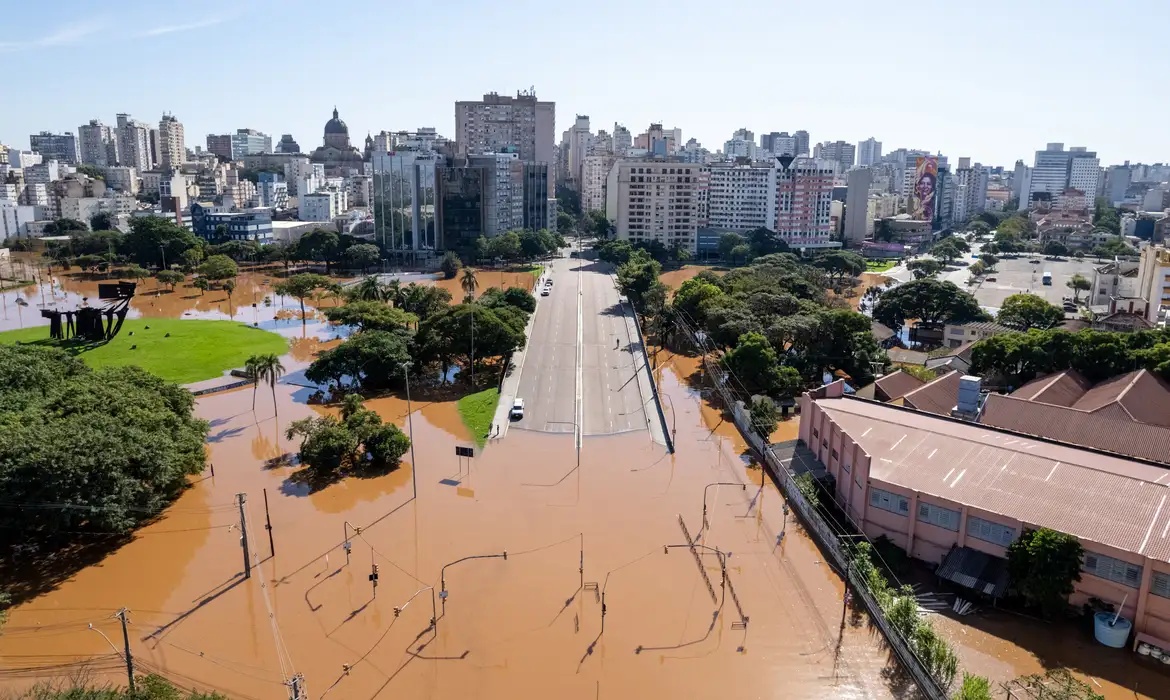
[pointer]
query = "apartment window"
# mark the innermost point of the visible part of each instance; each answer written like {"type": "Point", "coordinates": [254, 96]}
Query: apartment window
{"type": "Point", "coordinates": [989, 531]}
{"type": "Point", "coordinates": [937, 515]}
{"type": "Point", "coordinates": [892, 502]}
{"type": "Point", "coordinates": [1112, 569]}
{"type": "Point", "coordinates": [1160, 584]}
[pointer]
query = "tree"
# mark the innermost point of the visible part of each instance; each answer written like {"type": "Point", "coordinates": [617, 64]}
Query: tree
{"type": "Point", "coordinates": [170, 278]}
{"type": "Point", "coordinates": [840, 264]}
{"type": "Point", "coordinates": [565, 222]}
{"type": "Point", "coordinates": [192, 257]}
{"type": "Point", "coordinates": [976, 268]}
{"type": "Point", "coordinates": [1114, 247]}
{"type": "Point", "coordinates": [1025, 311]}
{"type": "Point", "coordinates": [229, 286]}
{"type": "Point", "coordinates": [153, 238]}
{"type": "Point", "coordinates": [1055, 249]}
{"type": "Point", "coordinates": [92, 171]}
{"type": "Point", "coordinates": [728, 242]}
{"type": "Point", "coordinates": [1078, 283]}
{"type": "Point", "coordinates": [764, 416]}
{"type": "Point", "coordinates": [422, 301]}
{"type": "Point", "coordinates": [369, 289]}
{"type": "Point", "coordinates": [789, 383]}
{"type": "Point", "coordinates": [219, 267]}
{"type": "Point", "coordinates": [267, 368]}
{"type": "Point", "coordinates": [755, 363]}
{"type": "Point", "coordinates": [320, 244]}
{"type": "Point", "coordinates": [924, 267]}
{"type": "Point", "coordinates": [469, 282]}
{"type": "Point", "coordinates": [637, 276]}
{"type": "Point", "coordinates": [599, 225]}
{"type": "Point", "coordinates": [520, 298]}
{"type": "Point", "coordinates": [450, 265]}
{"type": "Point", "coordinates": [64, 227]}
{"type": "Point", "coordinates": [101, 222]}
{"type": "Point", "coordinates": [615, 252]}
{"type": "Point", "coordinates": [112, 446]}
{"type": "Point", "coordinates": [201, 284]}
{"type": "Point", "coordinates": [363, 255]}
{"type": "Point", "coordinates": [973, 688]}
{"type": "Point", "coordinates": [251, 368]}
{"type": "Point", "coordinates": [372, 360]}
{"type": "Point", "coordinates": [1043, 565]}
{"type": "Point", "coordinates": [741, 253]}
{"type": "Point", "coordinates": [932, 302]}
{"type": "Point", "coordinates": [766, 242]}
{"type": "Point", "coordinates": [371, 315]}
{"type": "Point", "coordinates": [979, 227]}
{"type": "Point", "coordinates": [947, 250]}
{"type": "Point", "coordinates": [304, 285]}
{"type": "Point", "coordinates": [137, 272]}
{"type": "Point", "coordinates": [988, 260]}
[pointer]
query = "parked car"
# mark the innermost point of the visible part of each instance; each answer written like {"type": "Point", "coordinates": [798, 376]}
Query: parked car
{"type": "Point", "coordinates": [517, 411]}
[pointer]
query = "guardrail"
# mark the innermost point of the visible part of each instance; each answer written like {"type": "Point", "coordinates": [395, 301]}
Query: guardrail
{"type": "Point", "coordinates": [653, 384]}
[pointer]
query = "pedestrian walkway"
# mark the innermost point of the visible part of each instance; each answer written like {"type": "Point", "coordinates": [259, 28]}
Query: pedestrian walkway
{"type": "Point", "coordinates": [511, 383]}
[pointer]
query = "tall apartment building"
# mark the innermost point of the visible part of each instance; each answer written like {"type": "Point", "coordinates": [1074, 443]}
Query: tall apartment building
{"type": "Point", "coordinates": [220, 145]}
{"type": "Point", "coordinates": [1117, 181]}
{"type": "Point", "coordinates": [857, 206]}
{"type": "Point", "coordinates": [502, 123]}
{"type": "Point", "coordinates": [802, 143]}
{"type": "Point", "coordinates": [594, 176]}
{"type": "Point", "coordinates": [503, 191]}
{"type": "Point", "coordinates": [742, 144]}
{"type": "Point", "coordinates": [1021, 183]}
{"type": "Point", "coordinates": [133, 143]}
{"type": "Point", "coordinates": [249, 142]}
{"type": "Point", "coordinates": [623, 140]}
{"type": "Point", "coordinates": [840, 151]}
{"type": "Point", "coordinates": [288, 144]}
{"type": "Point", "coordinates": [578, 139]}
{"type": "Point", "coordinates": [1052, 173]}
{"type": "Point", "coordinates": [869, 151]}
{"type": "Point", "coordinates": [804, 192]}
{"type": "Point", "coordinates": [656, 200]}
{"type": "Point", "coordinates": [741, 197]}
{"type": "Point", "coordinates": [172, 145]}
{"type": "Point", "coordinates": [59, 147]}
{"type": "Point", "coordinates": [97, 144]}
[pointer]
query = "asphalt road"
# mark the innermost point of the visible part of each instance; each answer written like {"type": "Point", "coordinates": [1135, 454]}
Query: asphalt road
{"type": "Point", "coordinates": [605, 398]}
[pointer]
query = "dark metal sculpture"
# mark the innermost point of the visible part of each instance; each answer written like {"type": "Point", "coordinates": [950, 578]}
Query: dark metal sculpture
{"type": "Point", "coordinates": [91, 323]}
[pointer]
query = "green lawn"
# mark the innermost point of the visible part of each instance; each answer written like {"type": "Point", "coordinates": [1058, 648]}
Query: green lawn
{"type": "Point", "coordinates": [879, 265]}
{"type": "Point", "coordinates": [477, 411]}
{"type": "Point", "coordinates": [195, 350]}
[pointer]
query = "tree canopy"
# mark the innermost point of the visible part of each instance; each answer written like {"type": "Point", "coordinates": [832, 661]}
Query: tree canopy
{"type": "Point", "coordinates": [304, 285]}
{"type": "Point", "coordinates": [152, 237]}
{"type": "Point", "coordinates": [637, 275]}
{"type": "Point", "coordinates": [1025, 311]}
{"type": "Point", "coordinates": [932, 302]}
{"type": "Point", "coordinates": [358, 441]}
{"type": "Point", "coordinates": [924, 267]}
{"type": "Point", "coordinates": [219, 267]}
{"type": "Point", "coordinates": [1098, 355]}
{"type": "Point", "coordinates": [371, 359]}
{"type": "Point", "coordinates": [371, 315]}
{"type": "Point", "coordinates": [1044, 565]}
{"type": "Point", "coordinates": [112, 446]}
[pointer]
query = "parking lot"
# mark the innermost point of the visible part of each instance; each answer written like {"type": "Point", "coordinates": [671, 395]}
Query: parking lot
{"type": "Point", "coordinates": [1021, 274]}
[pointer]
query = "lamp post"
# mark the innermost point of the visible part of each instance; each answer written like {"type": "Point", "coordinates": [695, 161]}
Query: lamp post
{"type": "Point", "coordinates": [742, 487]}
{"type": "Point", "coordinates": [410, 429]}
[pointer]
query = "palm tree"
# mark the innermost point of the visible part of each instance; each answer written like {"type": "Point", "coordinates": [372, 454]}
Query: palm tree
{"type": "Point", "coordinates": [251, 366]}
{"type": "Point", "coordinates": [230, 286]}
{"type": "Point", "coordinates": [367, 290]}
{"type": "Point", "coordinates": [269, 369]}
{"type": "Point", "coordinates": [392, 292]}
{"type": "Point", "coordinates": [469, 283]}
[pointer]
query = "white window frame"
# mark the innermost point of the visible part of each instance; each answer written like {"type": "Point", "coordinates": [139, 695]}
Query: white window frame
{"type": "Point", "coordinates": [890, 502]}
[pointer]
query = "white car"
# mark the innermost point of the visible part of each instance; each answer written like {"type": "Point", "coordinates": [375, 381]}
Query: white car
{"type": "Point", "coordinates": [517, 411]}
{"type": "Point", "coordinates": [544, 292]}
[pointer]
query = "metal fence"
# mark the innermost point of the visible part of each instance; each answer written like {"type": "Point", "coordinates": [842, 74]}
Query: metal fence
{"type": "Point", "coordinates": [817, 527]}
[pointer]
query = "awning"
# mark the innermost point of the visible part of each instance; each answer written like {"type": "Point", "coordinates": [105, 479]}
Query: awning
{"type": "Point", "coordinates": [976, 570]}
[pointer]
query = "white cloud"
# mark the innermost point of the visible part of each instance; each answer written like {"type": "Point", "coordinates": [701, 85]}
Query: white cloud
{"type": "Point", "coordinates": [174, 28]}
{"type": "Point", "coordinates": [64, 36]}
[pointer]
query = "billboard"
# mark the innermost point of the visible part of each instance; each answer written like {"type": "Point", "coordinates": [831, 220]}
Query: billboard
{"type": "Point", "coordinates": [925, 179]}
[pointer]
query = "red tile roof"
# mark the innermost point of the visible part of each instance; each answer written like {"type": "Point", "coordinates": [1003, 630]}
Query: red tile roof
{"type": "Point", "coordinates": [1111, 429]}
{"type": "Point", "coordinates": [1060, 389]}
{"type": "Point", "coordinates": [938, 396]}
{"type": "Point", "coordinates": [897, 384]}
{"type": "Point", "coordinates": [1108, 500]}
{"type": "Point", "coordinates": [1145, 397]}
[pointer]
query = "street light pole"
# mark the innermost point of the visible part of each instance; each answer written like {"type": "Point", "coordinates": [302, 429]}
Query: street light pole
{"type": "Point", "coordinates": [410, 428]}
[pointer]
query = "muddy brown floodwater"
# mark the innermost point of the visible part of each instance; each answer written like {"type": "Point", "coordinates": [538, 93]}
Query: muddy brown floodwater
{"type": "Point", "coordinates": [530, 624]}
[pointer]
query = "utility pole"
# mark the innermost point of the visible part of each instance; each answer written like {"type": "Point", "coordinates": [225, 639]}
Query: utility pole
{"type": "Point", "coordinates": [241, 498]}
{"type": "Point", "coordinates": [268, 524]}
{"type": "Point", "coordinates": [126, 642]}
{"type": "Point", "coordinates": [297, 688]}
{"type": "Point", "coordinates": [410, 424]}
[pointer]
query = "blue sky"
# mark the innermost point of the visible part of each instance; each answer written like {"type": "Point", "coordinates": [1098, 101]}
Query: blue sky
{"type": "Point", "coordinates": [994, 80]}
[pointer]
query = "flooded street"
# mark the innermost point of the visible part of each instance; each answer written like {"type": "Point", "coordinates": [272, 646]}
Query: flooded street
{"type": "Point", "coordinates": [530, 624]}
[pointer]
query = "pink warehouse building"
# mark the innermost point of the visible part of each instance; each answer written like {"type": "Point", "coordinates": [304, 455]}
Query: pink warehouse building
{"type": "Point", "coordinates": [935, 484]}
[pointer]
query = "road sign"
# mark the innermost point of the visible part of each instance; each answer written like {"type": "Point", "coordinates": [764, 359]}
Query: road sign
{"type": "Point", "coordinates": [461, 451]}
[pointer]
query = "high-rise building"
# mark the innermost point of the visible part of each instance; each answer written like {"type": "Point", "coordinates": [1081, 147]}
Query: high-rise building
{"type": "Point", "coordinates": [656, 200]}
{"type": "Point", "coordinates": [804, 192]}
{"type": "Point", "coordinates": [857, 205]}
{"type": "Point", "coordinates": [1117, 182]}
{"type": "Point", "coordinates": [742, 144]}
{"type": "Point", "coordinates": [502, 123]}
{"type": "Point", "coordinates": [1084, 173]}
{"type": "Point", "coordinates": [1052, 173]}
{"type": "Point", "coordinates": [622, 139]}
{"type": "Point", "coordinates": [133, 143]}
{"type": "Point", "coordinates": [1021, 183]}
{"type": "Point", "coordinates": [155, 149]}
{"type": "Point", "coordinates": [579, 139]}
{"type": "Point", "coordinates": [173, 146]}
{"type": "Point", "coordinates": [249, 142]}
{"type": "Point", "coordinates": [741, 197]}
{"type": "Point", "coordinates": [802, 142]}
{"type": "Point", "coordinates": [594, 176]}
{"type": "Point", "coordinates": [970, 191]}
{"type": "Point", "coordinates": [288, 145]}
{"type": "Point", "coordinates": [220, 145]}
{"type": "Point", "coordinates": [58, 147]}
{"type": "Point", "coordinates": [97, 144]}
{"type": "Point", "coordinates": [840, 151]}
{"type": "Point", "coordinates": [869, 152]}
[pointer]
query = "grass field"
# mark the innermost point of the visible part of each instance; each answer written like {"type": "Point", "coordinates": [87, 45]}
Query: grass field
{"type": "Point", "coordinates": [194, 350]}
{"type": "Point", "coordinates": [879, 265]}
{"type": "Point", "coordinates": [477, 411]}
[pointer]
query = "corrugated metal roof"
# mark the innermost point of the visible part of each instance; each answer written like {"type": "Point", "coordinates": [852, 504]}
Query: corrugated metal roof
{"type": "Point", "coordinates": [1098, 498]}
{"type": "Point", "coordinates": [898, 383]}
{"type": "Point", "coordinates": [1110, 429]}
{"type": "Point", "coordinates": [1140, 393]}
{"type": "Point", "coordinates": [938, 396]}
{"type": "Point", "coordinates": [976, 570]}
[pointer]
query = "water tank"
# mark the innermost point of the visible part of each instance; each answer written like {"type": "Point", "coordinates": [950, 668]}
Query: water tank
{"type": "Point", "coordinates": [969, 388]}
{"type": "Point", "coordinates": [1111, 635]}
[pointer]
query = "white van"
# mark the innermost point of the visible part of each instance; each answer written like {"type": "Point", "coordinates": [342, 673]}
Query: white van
{"type": "Point", "coordinates": [517, 411]}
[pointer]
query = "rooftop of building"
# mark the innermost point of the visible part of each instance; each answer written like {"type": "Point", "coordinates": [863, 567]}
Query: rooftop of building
{"type": "Point", "coordinates": [984, 326]}
{"type": "Point", "coordinates": [1099, 498]}
{"type": "Point", "coordinates": [937, 396]}
{"type": "Point", "coordinates": [1137, 396]}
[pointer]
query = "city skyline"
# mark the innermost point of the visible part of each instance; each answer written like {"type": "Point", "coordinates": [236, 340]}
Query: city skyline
{"type": "Point", "coordinates": [985, 106]}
